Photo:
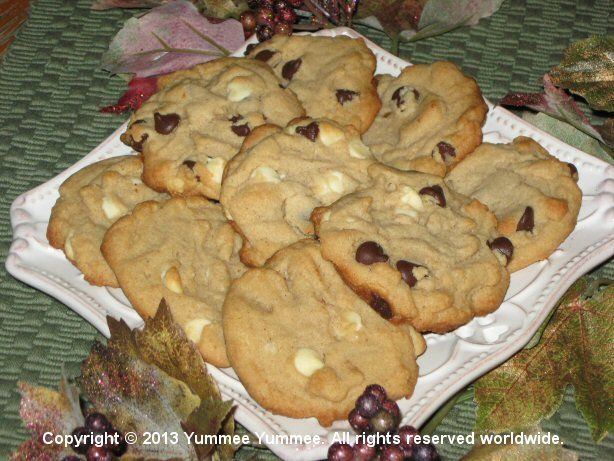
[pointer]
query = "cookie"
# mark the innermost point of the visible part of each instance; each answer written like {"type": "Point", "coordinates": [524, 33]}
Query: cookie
{"type": "Point", "coordinates": [431, 117]}
{"type": "Point", "coordinates": [534, 196]}
{"type": "Point", "coordinates": [332, 76]}
{"type": "Point", "coordinates": [304, 345]}
{"type": "Point", "coordinates": [90, 201]}
{"type": "Point", "coordinates": [198, 120]}
{"type": "Point", "coordinates": [281, 175]}
{"type": "Point", "coordinates": [414, 250]}
{"type": "Point", "coordinates": [185, 251]}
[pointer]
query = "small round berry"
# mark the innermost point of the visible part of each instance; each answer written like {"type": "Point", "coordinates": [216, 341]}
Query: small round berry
{"type": "Point", "coordinates": [367, 405]}
{"type": "Point", "coordinates": [406, 436]}
{"type": "Point", "coordinates": [78, 434]}
{"type": "Point", "coordinates": [95, 453]}
{"type": "Point", "coordinates": [265, 17]}
{"type": "Point", "coordinates": [267, 3]}
{"type": "Point", "coordinates": [391, 453]}
{"type": "Point", "coordinates": [383, 422]}
{"type": "Point", "coordinates": [295, 3]}
{"type": "Point", "coordinates": [340, 452]}
{"type": "Point", "coordinates": [117, 445]}
{"type": "Point", "coordinates": [264, 33]}
{"type": "Point", "coordinates": [358, 422]}
{"type": "Point", "coordinates": [283, 28]}
{"type": "Point", "coordinates": [425, 452]}
{"type": "Point", "coordinates": [248, 20]}
{"type": "Point", "coordinates": [364, 452]}
{"type": "Point", "coordinates": [378, 391]}
{"type": "Point", "coordinates": [391, 407]}
{"type": "Point", "coordinates": [279, 5]}
{"type": "Point", "coordinates": [97, 422]}
{"type": "Point", "coordinates": [286, 15]}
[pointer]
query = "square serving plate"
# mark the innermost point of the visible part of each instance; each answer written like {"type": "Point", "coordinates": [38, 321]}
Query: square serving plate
{"type": "Point", "coordinates": [451, 361]}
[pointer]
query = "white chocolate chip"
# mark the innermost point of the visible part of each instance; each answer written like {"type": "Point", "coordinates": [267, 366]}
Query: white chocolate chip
{"type": "Point", "coordinates": [267, 174]}
{"type": "Point", "coordinates": [136, 181]}
{"type": "Point", "coordinates": [215, 166]}
{"type": "Point", "coordinates": [172, 280]}
{"type": "Point", "coordinates": [307, 361]}
{"type": "Point", "coordinates": [330, 134]}
{"type": "Point", "coordinates": [420, 272]}
{"type": "Point", "coordinates": [238, 91]}
{"type": "Point", "coordinates": [335, 182]}
{"type": "Point", "coordinates": [358, 149]}
{"type": "Point", "coordinates": [68, 249]}
{"type": "Point", "coordinates": [194, 328]}
{"type": "Point", "coordinates": [112, 208]}
{"type": "Point", "coordinates": [406, 212]}
{"type": "Point", "coordinates": [411, 198]}
{"type": "Point", "coordinates": [353, 319]}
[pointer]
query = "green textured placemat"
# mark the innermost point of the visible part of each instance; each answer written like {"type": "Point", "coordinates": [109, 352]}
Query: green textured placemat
{"type": "Point", "coordinates": [51, 87]}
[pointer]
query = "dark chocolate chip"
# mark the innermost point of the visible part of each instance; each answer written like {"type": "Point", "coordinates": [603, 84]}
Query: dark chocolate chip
{"type": "Point", "coordinates": [241, 130]}
{"type": "Point", "coordinates": [436, 192]}
{"type": "Point", "coordinates": [446, 151]}
{"type": "Point", "coordinates": [344, 96]}
{"type": "Point", "coordinates": [190, 164]}
{"type": "Point", "coordinates": [264, 55]}
{"type": "Point", "coordinates": [503, 246]}
{"type": "Point", "coordinates": [290, 68]}
{"type": "Point", "coordinates": [396, 96]}
{"type": "Point", "coordinates": [309, 131]}
{"type": "Point", "coordinates": [138, 145]}
{"type": "Point", "coordinates": [416, 94]}
{"type": "Point", "coordinates": [526, 222]}
{"type": "Point", "coordinates": [370, 252]}
{"type": "Point", "coordinates": [381, 306]}
{"type": "Point", "coordinates": [235, 118]}
{"type": "Point", "coordinates": [249, 48]}
{"type": "Point", "coordinates": [138, 122]}
{"type": "Point", "coordinates": [165, 124]}
{"type": "Point", "coordinates": [573, 170]}
{"type": "Point", "coordinates": [406, 269]}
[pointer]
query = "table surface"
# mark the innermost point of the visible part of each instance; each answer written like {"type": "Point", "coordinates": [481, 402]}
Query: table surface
{"type": "Point", "coordinates": [51, 87]}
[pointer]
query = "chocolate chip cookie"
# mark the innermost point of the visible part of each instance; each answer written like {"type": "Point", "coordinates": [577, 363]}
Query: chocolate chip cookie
{"type": "Point", "coordinates": [305, 345]}
{"type": "Point", "coordinates": [281, 175]}
{"type": "Point", "coordinates": [332, 76]}
{"type": "Point", "coordinates": [431, 117]}
{"type": "Point", "coordinates": [199, 118]}
{"type": "Point", "coordinates": [534, 195]}
{"type": "Point", "coordinates": [90, 201]}
{"type": "Point", "coordinates": [185, 251]}
{"type": "Point", "coordinates": [414, 250]}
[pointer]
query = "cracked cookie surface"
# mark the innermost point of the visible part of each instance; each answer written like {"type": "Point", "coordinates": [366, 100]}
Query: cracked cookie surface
{"type": "Point", "coordinates": [415, 250]}
{"type": "Point", "coordinates": [304, 344]}
{"type": "Point", "coordinates": [90, 201]}
{"type": "Point", "coordinates": [185, 251]}
{"type": "Point", "coordinates": [431, 117]}
{"type": "Point", "coordinates": [281, 175]}
{"type": "Point", "coordinates": [198, 119]}
{"type": "Point", "coordinates": [534, 195]}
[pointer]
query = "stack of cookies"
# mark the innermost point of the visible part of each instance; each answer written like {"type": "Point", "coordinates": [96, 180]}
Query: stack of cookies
{"type": "Point", "coordinates": [306, 220]}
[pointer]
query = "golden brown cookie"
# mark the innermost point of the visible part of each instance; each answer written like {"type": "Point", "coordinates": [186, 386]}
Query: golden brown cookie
{"type": "Point", "coordinates": [305, 345]}
{"type": "Point", "coordinates": [414, 250]}
{"type": "Point", "coordinates": [90, 201]}
{"type": "Point", "coordinates": [199, 118]}
{"type": "Point", "coordinates": [185, 251]}
{"type": "Point", "coordinates": [431, 117]}
{"type": "Point", "coordinates": [332, 76]}
{"type": "Point", "coordinates": [534, 196]}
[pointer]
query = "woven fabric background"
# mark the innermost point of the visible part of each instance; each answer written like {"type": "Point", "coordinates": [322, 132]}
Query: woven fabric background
{"type": "Point", "coordinates": [51, 87]}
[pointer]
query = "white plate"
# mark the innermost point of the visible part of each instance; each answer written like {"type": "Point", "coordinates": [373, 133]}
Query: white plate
{"type": "Point", "coordinates": [452, 360]}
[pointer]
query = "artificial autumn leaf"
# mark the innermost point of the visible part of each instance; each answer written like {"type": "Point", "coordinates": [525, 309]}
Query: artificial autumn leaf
{"type": "Point", "coordinates": [556, 103]}
{"type": "Point", "coordinates": [155, 380]}
{"type": "Point", "coordinates": [576, 349]}
{"type": "Point", "coordinates": [139, 90]}
{"type": "Point", "coordinates": [607, 131]}
{"type": "Point", "coordinates": [110, 4]}
{"type": "Point", "coordinates": [520, 452]}
{"type": "Point", "coordinates": [170, 37]}
{"type": "Point", "coordinates": [213, 8]}
{"type": "Point", "coordinates": [46, 410]}
{"type": "Point", "coordinates": [393, 16]}
{"type": "Point", "coordinates": [588, 70]}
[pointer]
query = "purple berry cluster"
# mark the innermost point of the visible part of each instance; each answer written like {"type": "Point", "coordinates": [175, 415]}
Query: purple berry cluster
{"type": "Point", "coordinates": [375, 414]}
{"type": "Point", "coordinates": [97, 424]}
{"type": "Point", "coordinates": [269, 17]}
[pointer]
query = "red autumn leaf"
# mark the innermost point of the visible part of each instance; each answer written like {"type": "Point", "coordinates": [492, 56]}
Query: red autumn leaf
{"type": "Point", "coordinates": [139, 90]}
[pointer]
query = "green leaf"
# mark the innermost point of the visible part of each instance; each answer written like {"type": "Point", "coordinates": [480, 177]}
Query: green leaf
{"type": "Point", "coordinates": [155, 380]}
{"type": "Point", "coordinates": [576, 349]}
{"type": "Point", "coordinates": [588, 70]}
{"type": "Point", "coordinates": [521, 452]}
